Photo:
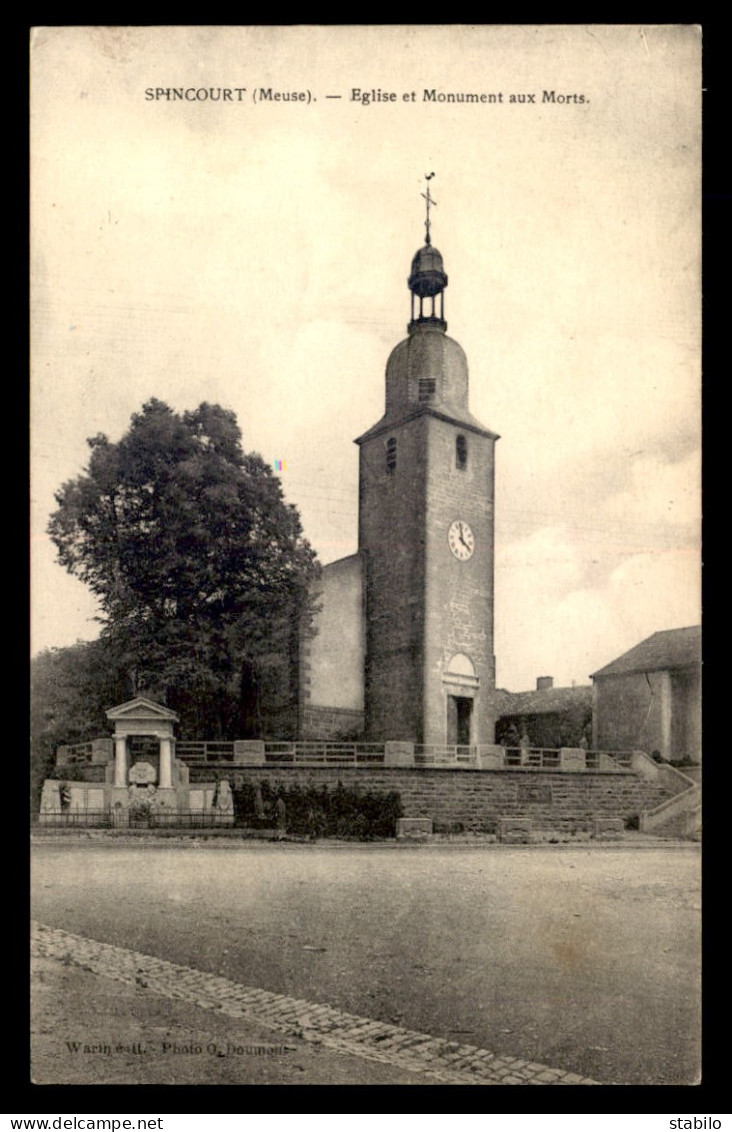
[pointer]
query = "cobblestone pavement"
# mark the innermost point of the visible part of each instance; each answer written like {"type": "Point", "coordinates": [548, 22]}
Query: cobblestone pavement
{"type": "Point", "coordinates": [448, 1062]}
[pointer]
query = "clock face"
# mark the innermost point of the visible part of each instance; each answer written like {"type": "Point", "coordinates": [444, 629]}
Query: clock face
{"type": "Point", "coordinates": [461, 540]}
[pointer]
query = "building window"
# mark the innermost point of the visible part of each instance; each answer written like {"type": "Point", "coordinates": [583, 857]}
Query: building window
{"type": "Point", "coordinates": [461, 453]}
{"type": "Point", "coordinates": [391, 454]}
{"type": "Point", "coordinates": [426, 388]}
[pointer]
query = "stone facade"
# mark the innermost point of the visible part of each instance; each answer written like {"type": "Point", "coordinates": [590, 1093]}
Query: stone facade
{"type": "Point", "coordinates": [391, 538]}
{"type": "Point", "coordinates": [459, 594]}
{"type": "Point", "coordinates": [628, 712]}
{"type": "Point", "coordinates": [330, 723]}
{"type": "Point", "coordinates": [650, 698]}
{"type": "Point", "coordinates": [332, 659]}
{"type": "Point", "coordinates": [422, 640]}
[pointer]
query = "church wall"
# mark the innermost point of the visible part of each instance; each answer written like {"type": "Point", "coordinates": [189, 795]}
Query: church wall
{"type": "Point", "coordinates": [391, 535]}
{"type": "Point", "coordinates": [332, 660]}
{"type": "Point", "coordinates": [330, 723]}
{"type": "Point", "coordinates": [459, 595]}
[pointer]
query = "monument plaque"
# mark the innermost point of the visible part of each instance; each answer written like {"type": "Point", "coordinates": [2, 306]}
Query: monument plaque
{"type": "Point", "coordinates": [538, 794]}
{"type": "Point", "coordinates": [143, 773]}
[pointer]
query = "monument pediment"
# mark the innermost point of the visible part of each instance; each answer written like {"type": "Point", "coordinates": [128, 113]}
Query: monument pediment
{"type": "Point", "coordinates": [141, 708]}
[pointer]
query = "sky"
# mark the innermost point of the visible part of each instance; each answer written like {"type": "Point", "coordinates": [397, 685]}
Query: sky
{"type": "Point", "coordinates": [254, 251]}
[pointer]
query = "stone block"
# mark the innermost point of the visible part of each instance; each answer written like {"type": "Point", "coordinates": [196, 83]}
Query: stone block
{"type": "Point", "coordinates": [572, 758]}
{"type": "Point", "coordinates": [410, 827]}
{"type": "Point", "coordinates": [516, 831]}
{"type": "Point", "coordinates": [201, 797]}
{"type": "Point", "coordinates": [181, 773]}
{"type": "Point", "coordinates": [95, 800]}
{"type": "Point", "coordinates": [534, 793]}
{"type": "Point", "coordinates": [166, 799]}
{"type": "Point", "coordinates": [607, 829]}
{"type": "Point", "coordinates": [399, 754]}
{"type": "Point", "coordinates": [490, 757]}
{"type": "Point", "coordinates": [120, 815]}
{"type": "Point", "coordinates": [102, 750]}
{"type": "Point", "coordinates": [77, 798]}
{"type": "Point", "coordinates": [50, 800]}
{"type": "Point", "coordinates": [62, 756]}
{"type": "Point", "coordinates": [249, 752]}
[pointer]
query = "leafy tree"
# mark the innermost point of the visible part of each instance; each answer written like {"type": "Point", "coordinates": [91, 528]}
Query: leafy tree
{"type": "Point", "coordinates": [71, 689]}
{"type": "Point", "coordinates": [199, 565]}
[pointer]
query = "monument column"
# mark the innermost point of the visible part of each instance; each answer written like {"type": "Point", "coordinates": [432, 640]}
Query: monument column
{"type": "Point", "coordinates": [120, 760]}
{"type": "Point", "coordinates": [166, 763]}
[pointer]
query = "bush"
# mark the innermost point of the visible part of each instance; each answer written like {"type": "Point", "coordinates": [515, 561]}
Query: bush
{"type": "Point", "coordinates": [319, 812]}
{"type": "Point", "coordinates": [450, 828]}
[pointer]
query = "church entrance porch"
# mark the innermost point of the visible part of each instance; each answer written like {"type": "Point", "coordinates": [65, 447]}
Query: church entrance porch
{"type": "Point", "coordinates": [459, 716]}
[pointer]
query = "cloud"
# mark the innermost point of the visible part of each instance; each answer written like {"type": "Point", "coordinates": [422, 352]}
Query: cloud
{"type": "Point", "coordinates": [661, 494]}
{"type": "Point", "coordinates": [553, 619]}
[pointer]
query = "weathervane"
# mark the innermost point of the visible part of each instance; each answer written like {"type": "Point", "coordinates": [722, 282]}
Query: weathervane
{"type": "Point", "coordinates": [428, 177]}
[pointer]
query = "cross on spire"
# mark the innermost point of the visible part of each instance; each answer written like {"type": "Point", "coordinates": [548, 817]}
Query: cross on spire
{"type": "Point", "coordinates": [428, 177]}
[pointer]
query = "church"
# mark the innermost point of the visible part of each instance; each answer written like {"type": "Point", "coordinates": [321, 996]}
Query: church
{"type": "Point", "coordinates": [403, 641]}
{"type": "Point", "coordinates": [401, 655]}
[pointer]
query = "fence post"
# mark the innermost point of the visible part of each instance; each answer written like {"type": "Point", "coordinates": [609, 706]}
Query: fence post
{"type": "Point", "coordinates": [249, 752]}
{"type": "Point", "coordinates": [643, 765]}
{"type": "Point", "coordinates": [398, 754]}
{"type": "Point", "coordinates": [490, 756]}
{"type": "Point", "coordinates": [572, 758]}
{"type": "Point", "coordinates": [102, 750]}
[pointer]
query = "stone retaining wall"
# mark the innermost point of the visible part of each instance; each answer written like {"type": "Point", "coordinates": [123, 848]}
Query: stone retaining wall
{"type": "Point", "coordinates": [473, 799]}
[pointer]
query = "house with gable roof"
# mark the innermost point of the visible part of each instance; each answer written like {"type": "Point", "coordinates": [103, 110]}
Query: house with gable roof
{"type": "Point", "coordinates": [650, 698]}
{"type": "Point", "coordinates": [547, 716]}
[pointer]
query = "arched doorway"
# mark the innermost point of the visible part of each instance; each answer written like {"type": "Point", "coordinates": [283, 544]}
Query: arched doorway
{"type": "Point", "coordinates": [461, 686]}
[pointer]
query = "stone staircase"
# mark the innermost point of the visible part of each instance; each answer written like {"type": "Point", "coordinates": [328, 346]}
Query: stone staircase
{"type": "Point", "coordinates": [679, 815]}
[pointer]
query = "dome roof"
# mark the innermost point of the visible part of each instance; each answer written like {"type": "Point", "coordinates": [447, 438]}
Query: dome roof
{"type": "Point", "coordinates": [427, 276]}
{"type": "Point", "coordinates": [427, 355]}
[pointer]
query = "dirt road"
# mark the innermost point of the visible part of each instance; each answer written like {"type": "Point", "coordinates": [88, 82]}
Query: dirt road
{"type": "Point", "coordinates": [582, 958]}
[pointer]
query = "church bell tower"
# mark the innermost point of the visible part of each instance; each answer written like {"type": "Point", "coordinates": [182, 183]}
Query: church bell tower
{"type": "Point", "coordinates": [426, 489]}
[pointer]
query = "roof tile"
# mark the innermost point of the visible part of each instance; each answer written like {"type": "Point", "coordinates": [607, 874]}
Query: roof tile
{"type": "Point", "coordinates": [671, 648]}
